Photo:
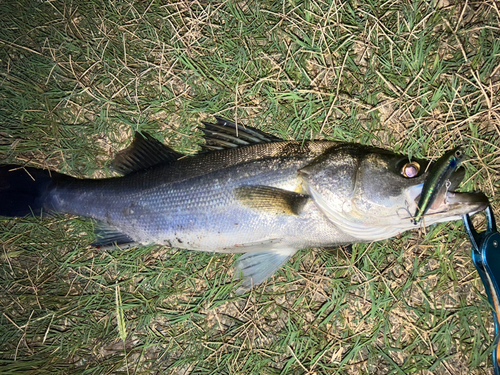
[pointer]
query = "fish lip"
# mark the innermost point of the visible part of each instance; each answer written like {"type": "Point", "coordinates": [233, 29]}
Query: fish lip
{"type": "Point", "coordinates": [456, 178]}
{"type": "Point", "coordinates": [459, 201]}
{"type": "Point", "coordinates": [472, 198]}
{"type": "Point", "coordinates": [459, 204]}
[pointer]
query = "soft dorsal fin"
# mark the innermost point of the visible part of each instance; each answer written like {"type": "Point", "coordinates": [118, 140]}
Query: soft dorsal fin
{"type": "Point", "coordinates": [143, 153]}
{"type": "Point", "coordinates": [226, 134]}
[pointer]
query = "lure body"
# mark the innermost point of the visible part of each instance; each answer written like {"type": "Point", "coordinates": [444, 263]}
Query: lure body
{"type": "Point", "coordinates": [437, 181]}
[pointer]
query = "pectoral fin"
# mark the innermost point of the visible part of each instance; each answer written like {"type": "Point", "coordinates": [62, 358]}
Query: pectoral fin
{"type": "Point", "coordinates": [255, 268]}
{"type": "Point", "coordinates": [270, 199]}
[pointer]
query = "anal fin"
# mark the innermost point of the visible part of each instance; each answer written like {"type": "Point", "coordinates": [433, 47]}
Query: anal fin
{"type": "Point", "coordinates": [256, 267]}
{"type": "Point", "coordinates": [108, 236]}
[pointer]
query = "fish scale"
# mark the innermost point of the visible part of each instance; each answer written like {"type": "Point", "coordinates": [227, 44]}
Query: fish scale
{"type": "Point", "coordinates": [195, 213]}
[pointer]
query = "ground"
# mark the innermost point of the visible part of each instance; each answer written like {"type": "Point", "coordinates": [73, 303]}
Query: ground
{"type": "Point", "coordinates": [78, 78]}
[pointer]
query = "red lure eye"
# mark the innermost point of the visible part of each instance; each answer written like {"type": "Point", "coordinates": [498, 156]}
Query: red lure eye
{"type": "Point", "coordinates": [411, 169]}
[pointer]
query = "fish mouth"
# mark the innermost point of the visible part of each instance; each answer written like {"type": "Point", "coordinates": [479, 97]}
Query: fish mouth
{"type": "Point", "coordinates": [452, 205]}
{"type": "Point", "coordinates": [456, 205]}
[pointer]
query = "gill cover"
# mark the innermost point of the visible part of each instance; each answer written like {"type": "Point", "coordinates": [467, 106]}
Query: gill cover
{"type": "Point", "coordinates": [363, 190]}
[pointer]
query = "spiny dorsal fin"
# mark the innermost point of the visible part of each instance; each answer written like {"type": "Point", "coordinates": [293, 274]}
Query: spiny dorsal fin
{"type": "Point", "coordinates": [143, 153]}
{"type": "Point", "coordinates": [226, 134]}
{"type": "Point", "coordinates": [270, 199]}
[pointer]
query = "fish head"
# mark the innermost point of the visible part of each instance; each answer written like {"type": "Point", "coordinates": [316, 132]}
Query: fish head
{"type": "Point", "coordinates": [372, 194]}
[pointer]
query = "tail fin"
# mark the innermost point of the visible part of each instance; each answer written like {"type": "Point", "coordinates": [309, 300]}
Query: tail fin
{"type": "Point", "coordinates": [24, 190]}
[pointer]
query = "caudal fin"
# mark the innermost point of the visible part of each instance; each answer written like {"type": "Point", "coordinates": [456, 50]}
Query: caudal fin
{"type": "Point", "coordinates": [24, 190]}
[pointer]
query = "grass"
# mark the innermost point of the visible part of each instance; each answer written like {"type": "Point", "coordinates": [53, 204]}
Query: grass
{"type": "Point", "coordinates": [78, 77]}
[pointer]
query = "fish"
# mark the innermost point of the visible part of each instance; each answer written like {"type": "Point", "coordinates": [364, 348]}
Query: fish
{"type": "Point", "coordinates": [245, 192]}
{"type": "Point", "coordinates": [438, 181]}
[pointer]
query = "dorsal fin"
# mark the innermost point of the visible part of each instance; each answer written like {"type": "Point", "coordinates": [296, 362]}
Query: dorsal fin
{"type": "Point", "coordinates": [226, 134]}
{"type": "Point", "coordinates": [143, 153]}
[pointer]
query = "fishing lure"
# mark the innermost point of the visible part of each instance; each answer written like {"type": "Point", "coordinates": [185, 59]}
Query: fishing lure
{"type": "Point", "coordinates": [438, 181]}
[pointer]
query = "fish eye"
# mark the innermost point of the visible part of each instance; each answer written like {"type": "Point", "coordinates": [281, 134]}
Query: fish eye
{"type": "Point", "coordinates": [410, 169]}
{"type": "Point", "coordinates": [458, 153]}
